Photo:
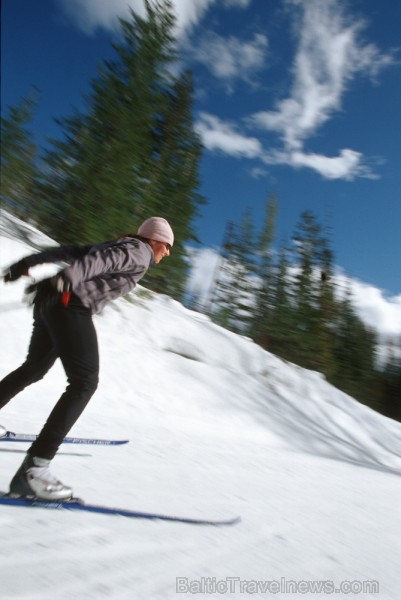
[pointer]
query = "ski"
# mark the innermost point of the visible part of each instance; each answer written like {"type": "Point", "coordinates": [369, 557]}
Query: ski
{"type": "Point", "coordinates": [78, 505]}
{"type": "Point", "coordinates": [10, 436]}
{"type": "Point", "coordinates": [60, 453]}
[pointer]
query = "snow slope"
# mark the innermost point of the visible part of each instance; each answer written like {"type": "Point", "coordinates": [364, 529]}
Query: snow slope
{"type": "Point", "coordinates": [218, 427]}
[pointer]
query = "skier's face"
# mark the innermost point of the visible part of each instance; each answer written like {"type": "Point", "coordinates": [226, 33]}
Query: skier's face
{"type": "Point", "coordinates": [160, 250]}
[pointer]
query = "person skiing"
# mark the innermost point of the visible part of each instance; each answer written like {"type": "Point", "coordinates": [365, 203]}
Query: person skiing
{"type": "Point", "coordinates": [63, 328]}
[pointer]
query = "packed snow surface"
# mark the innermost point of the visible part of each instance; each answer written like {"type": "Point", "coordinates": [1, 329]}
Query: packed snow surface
{"type": "Point", "coordinates": [218, 427]}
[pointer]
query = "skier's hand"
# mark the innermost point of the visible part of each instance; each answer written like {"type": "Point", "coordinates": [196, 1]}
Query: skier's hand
{"type": "Point", "coordinates": [44, 288]}
{"type": "Point", "coordinates": [48, 292]}
{"type": "Point", "coordinates": [16, 270]}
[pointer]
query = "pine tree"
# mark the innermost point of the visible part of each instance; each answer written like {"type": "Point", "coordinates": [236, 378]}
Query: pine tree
{"type": "Point", "coordinates": [18, 154]}
{"type": "Point", "coordinates": [245, 273]}
{"type": "Point", "coordinates": [265, 268]}
{"type": "Point", "coordinates": [134, 152]}
{"type": "Point", "coordinates": [310, 252]}
{"type": "Point", "coordinates": [327, 307]}
{"type": "Point", "coordinates": [390, 381]}
{"type": "Point", "coordinates": [283, 328]}
{"type": "Point", "coordinates": [234, 293]}
{"type": "Point", "coordinates": [174, 183]}
{"type": "Point", "coordinates": [354, 351]}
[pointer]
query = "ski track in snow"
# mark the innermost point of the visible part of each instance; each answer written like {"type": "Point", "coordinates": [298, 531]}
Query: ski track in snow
{"type": "Point", "coordinates": [218, 427]}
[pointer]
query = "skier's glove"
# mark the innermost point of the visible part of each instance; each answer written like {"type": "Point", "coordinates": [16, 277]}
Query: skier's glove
{"type": "Point", "coordinates": [17, 270]}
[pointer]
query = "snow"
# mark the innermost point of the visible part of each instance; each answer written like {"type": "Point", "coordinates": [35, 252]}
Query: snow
{"type": "Point", "coordinates": [218, 428]}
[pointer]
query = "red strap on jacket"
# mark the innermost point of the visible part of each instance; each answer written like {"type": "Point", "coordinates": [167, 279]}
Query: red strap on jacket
{"type": "Point", "coordinates": [65, 298]}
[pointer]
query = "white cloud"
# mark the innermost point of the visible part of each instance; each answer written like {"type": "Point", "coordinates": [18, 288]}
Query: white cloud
{"type": "Point", "coordinates": [90, 15]}
{"type": "Point", "coordinates": [259, 172]}
{"type": "Point", "coordinates": [379, 312]}
{"type": "Point", "coordinates": [329, 55]}
{"type": "Point", "coordinates": [190, 13]}
{"type": "Point", "coordinates": [231, 58]}
{"type": "Point", "coordinates": [222, 136]}
{"type": "Point", "coordinates": [237, 3]}
{"type": "Point", "coordinates": [348, 165]}
{"type": "Point", "coordinates": [226, 58]}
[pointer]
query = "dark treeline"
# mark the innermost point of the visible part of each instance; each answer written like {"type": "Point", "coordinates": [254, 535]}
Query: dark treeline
{"type": "Point", "coordinates": [287, 300]}
{"type": "Point", "coordinates": [132, 153]}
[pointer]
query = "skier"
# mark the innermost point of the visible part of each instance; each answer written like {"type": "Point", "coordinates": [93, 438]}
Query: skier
{"type": "Point", "coordinates": [63, 328]}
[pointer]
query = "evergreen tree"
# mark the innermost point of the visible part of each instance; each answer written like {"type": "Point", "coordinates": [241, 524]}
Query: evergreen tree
{"type": "Point", "coordinates": [327, 307]}
{"type": "Point", "coordinates": [264, 301]}
{"type": "Point", "coordinates": [245, 273]}
{"type": "Point", "coordinates": [234, 295]}
{"type": "Point", "coordinates": [174, 183]}
{"type": "Point", "coordinates": [310, 251]}
{"type": "Point", "coordinates": [134, 152]}
{"type": "Point", "coordinates": [283, 328]}
{"type": "Point", "coordinates": [18, 153]}
{"type": "Point", "coordinates": [354, 351]}
{"type": "Point", "coordinates": [390, 381]}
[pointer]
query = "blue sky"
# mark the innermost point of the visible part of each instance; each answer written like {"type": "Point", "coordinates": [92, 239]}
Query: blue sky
{"type": "Point", "coordinates": [299, 98]}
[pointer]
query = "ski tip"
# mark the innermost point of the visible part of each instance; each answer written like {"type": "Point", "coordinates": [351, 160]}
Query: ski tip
{"type": "Point", "coordinates": [232, 521]}
{"type": "Point", "coordinates": [215, 522]}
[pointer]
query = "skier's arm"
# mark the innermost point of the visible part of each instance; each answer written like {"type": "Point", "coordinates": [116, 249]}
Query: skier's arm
{"type": "Point", "coordinates": [116, 259]}
{"type": "Point", "coordinates": [55, 254]}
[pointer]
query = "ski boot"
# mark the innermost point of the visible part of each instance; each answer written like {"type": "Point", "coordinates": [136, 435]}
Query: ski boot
{"type": "Point", "coordinates": [33, 479]}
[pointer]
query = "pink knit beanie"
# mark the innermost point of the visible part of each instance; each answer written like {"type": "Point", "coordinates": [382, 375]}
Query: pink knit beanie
{"type": "Point", "coordinates": [157, 228]}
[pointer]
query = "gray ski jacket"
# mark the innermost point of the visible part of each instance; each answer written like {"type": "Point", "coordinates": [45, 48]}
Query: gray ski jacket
{"type": "Point", "coordinates": [100, 273]}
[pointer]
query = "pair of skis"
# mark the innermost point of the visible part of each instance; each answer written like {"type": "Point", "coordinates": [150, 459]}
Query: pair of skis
{"type": "Point", "coordinates": [76, 504]}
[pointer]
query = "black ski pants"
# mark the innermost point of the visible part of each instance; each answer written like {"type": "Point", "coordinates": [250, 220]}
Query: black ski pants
{"type": "Point", "coordinates": [68, 334]}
